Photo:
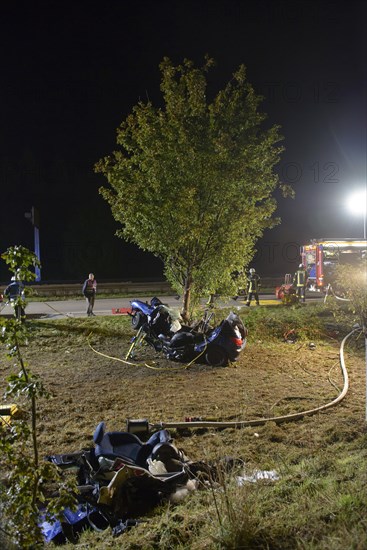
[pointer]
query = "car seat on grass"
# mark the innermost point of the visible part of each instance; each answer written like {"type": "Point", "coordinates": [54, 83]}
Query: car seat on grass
{"type": "Point", "coordinates": [129, 447]}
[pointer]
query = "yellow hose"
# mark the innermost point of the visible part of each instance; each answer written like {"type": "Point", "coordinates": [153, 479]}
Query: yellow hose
{"type": "Point", "coordinates": [179, 367]}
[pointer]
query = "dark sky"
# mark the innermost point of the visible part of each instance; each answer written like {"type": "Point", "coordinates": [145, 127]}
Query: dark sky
{"type": "Point", "coordinates": [72, 71]}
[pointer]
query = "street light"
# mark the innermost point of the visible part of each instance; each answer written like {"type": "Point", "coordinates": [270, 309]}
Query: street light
{"type": "Point", "coordinates": [34, 218]}
{"type": "Point", "coordinates": [357, 204]}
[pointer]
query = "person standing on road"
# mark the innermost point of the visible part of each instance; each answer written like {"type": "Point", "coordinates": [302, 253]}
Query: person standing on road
{"type": "Point", "coordinates": [14, 293]}
{"type": "Point", "coordinates": [253, 286]}
{"type": "Point", "coordinates": [300, 282]}
{"type": "Point", "coordinates": [89, 291]}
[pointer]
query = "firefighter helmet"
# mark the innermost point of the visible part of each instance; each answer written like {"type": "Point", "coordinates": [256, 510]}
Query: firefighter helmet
{"type": "Point", "coordinates": [252, 270]}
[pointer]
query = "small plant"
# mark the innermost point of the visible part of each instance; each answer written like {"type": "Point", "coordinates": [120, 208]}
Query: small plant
{"type": "Point", "coordinates": [20, 260]}
{"type": "Point", "coordinates": [25, 478]}
{"type": "Point", "coordinates": [235, 510]}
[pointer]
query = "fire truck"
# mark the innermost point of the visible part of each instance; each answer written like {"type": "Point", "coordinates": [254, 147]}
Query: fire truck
{"type": "Point", "coordinates": [320, 257]}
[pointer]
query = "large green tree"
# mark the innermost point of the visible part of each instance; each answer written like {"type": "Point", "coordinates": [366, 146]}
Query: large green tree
{"type": "Point", "coordinates": [192, 181]}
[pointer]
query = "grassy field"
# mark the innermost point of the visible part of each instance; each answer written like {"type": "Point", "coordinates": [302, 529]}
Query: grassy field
{"type": "Point", "coordinates": [320, 498]}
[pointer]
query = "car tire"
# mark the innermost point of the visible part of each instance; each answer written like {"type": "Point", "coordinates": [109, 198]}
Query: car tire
{"type": "Point", "coordinates": [137, 320]}
{"type": "Point", "coordinates": [216, 356]}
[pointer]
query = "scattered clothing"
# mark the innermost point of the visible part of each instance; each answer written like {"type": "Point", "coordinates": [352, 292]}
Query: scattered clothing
{"type": "Point", "coordinates": [122, 478]}
{"type": "Point", "coordinates": [257, 475]}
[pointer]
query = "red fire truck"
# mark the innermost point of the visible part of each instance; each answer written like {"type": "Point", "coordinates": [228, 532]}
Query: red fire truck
{"type": "Point", "coordinates": [319, 257]}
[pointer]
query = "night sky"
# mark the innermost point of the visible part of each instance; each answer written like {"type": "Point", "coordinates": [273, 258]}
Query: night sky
{"type": "Point", "coordinates": [72, 71]}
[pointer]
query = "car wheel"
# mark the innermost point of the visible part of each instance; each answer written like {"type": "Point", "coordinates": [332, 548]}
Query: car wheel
{"type": "Point", "coordinates": [216, 356]}
{"type": "Point", "coordinates": [137, 320]}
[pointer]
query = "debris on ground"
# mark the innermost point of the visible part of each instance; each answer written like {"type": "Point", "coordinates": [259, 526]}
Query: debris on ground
{"type": "Point", "coordinates": [123, 478]}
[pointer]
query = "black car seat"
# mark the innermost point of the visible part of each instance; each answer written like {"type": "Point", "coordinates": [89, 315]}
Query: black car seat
{"type": "Point", "coordinates": [130, 448]}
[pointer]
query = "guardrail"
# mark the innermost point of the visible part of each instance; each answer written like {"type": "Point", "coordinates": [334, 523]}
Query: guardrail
{"type": "Point", "coordinates": [152, 287]}
{"type": "Point", "coordinates": [72, 289]}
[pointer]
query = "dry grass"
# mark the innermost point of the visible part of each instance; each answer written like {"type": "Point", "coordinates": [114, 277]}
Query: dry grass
{"type": "Point", "coordinates": [314, 505]}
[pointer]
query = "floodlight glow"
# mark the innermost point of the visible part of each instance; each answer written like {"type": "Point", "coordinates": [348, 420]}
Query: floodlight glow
{"type": "Point", "coordinates": [357, 203]}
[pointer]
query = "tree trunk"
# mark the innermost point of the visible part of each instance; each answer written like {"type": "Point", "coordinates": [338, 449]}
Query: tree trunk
{"type": "Point", "coordinates": [186, 299]}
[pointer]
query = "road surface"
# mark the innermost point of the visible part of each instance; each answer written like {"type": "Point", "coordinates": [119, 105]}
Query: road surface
{"type": "Point", "coordinates": [104, 306]}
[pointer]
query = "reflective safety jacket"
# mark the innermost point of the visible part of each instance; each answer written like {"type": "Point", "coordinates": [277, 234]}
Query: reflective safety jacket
{"type": "Point", "coordinates": [253, 283]}
{"type": "Point", "coordinates": [89, 287]}
{"type": "Point", "coordinates": [15, 289]}
{"type": "Point", "coordinates": [300, 278]}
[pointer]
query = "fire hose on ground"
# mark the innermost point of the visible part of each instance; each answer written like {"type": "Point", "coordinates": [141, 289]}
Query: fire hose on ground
{"type": "Point", "coordinates": [143, 425]}
{"type": "Point", "coordinates": [139, 426]}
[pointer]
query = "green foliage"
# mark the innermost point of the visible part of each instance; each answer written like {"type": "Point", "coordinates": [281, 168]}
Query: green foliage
{"type": "Point", "coordinates": [20, 260]}
{"type": "Point", "coordinates": [276, 322]}
{"type": "Point", "coordinates": [192, 182]}
{"type": "Point", "coordinates": [352, 282]}
{"type": "Point", "coordinates": [23, 489]}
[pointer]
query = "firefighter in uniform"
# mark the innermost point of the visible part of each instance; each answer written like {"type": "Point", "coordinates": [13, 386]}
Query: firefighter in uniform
{"type": "Point", "coordinates": [253, 286]}
{"type": "Point", "coordinates": [14, 292]}
{"type": "Point", "coordinates": [300, 282]}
